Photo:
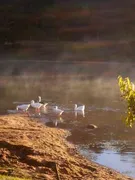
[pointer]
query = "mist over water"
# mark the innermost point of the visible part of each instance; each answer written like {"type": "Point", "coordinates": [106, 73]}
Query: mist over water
{"type": "Point", "coordinates": [77, 82]}
{"type": "Point", "coordinates": [97, 79]}
{"type": "Point", "coordinates": [84, 83]}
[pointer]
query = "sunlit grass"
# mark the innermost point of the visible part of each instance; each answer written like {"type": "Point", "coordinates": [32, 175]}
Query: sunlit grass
{"type": "Point", "coordinates": [4, 177]}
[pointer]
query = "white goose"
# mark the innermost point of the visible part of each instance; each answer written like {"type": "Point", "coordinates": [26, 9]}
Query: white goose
{"type": "Point", "coordinates": [23, 107]}
{"type": "Point", "coordinates": [79, 108]}
{"type": "Point", "coordinates": [36, 105]}
{"type": "Point", "coordinates": [58, 111]}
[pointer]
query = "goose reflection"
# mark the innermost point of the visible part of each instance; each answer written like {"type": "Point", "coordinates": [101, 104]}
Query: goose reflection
{"type": "Point", "coordinates": [54, 122]}
{"type": "Point", "coordinates": [82, 113]}
{"type": "Point", "coordinates": [45, 110]}
{"type": "Point", "coordinates": [58, 121]}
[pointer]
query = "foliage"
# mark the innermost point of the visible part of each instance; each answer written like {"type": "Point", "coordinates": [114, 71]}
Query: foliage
{"type": "Point", "coordinates": [4, 177]}
{"type": "Point", "coordinates": [128, 94]}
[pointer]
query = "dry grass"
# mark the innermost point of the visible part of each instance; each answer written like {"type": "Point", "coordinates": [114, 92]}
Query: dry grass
{"type": "Point", "coordinates": [3, 177]}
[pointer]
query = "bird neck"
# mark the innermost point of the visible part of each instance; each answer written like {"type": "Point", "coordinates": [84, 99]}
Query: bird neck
{"type": "Point", "coordinates": [39, 98]}
{"type": "Point", "coordinates": [75, 106]}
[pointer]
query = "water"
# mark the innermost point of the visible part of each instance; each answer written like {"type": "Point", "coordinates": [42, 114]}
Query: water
{"type": "Point", "coordinates": [122, 162]}
{"type": "Point", "coordinates": [111, 144]}
{"type": "Point", "coordinates": [64, 84]}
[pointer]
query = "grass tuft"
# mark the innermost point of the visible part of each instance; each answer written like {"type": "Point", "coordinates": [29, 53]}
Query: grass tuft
{"type": "Point", "coordinates": [4, 177]}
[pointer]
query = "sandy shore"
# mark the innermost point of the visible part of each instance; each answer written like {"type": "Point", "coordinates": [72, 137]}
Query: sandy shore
{"type": "Point", "coordinates": [32, 150]}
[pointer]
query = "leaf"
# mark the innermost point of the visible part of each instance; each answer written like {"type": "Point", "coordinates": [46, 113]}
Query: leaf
{"type": "Point", "coordinates": [128, 95]}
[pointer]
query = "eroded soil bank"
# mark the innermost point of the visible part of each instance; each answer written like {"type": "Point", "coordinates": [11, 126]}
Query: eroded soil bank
{"type": "Point", "coordinates": [32, 150]}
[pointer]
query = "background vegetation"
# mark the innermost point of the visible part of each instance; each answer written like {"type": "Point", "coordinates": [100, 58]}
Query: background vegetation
{"type": "Point", "coordinates": [95, 30]}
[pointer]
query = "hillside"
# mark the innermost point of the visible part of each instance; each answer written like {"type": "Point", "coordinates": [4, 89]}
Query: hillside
{"type": "Point", "coordinates": [36, 20]}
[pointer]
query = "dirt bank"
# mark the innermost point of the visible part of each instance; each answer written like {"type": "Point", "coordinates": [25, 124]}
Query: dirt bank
{"type": "Point", "coordinates": [30, 149]}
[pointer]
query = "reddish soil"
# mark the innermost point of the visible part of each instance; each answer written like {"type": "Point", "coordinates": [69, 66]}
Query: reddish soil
{"type": "Point", "coordinates": [30, 149]}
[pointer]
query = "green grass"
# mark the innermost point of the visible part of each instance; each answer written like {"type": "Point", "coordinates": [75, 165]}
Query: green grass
{"type": "Point", "coordinates": [4, 177]}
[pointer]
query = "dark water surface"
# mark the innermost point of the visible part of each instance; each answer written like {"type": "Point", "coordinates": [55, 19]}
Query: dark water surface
{"type": "Point", "coordinates": [64, 84]}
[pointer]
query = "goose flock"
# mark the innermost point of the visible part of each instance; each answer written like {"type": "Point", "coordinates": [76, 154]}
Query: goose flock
{"type": "Point", "coordinates": [40, 104]}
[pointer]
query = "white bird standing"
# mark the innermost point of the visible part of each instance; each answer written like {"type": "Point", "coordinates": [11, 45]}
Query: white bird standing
{"type": "Point", "coordinates": [58, 111]}
{"type": "Point", "coordinates": [23, 107]}
{"type": "Point", "coordinates": [79, 108]}
{"type": "Point", "coordinates": [36, 105]}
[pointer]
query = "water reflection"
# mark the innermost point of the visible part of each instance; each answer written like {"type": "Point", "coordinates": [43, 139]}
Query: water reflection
{"type": "Point", "coordinates": [66, 84]}
{"type": "Point", "coordinates": [78, 113]}
{"type": "Point", "coordinates": [124, 163]}
{"type": "Point", "coordinates": [109, 155]}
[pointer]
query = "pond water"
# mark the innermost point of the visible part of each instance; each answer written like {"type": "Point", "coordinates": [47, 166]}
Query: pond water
{"type": "Point", "coordinates": [64, 84]}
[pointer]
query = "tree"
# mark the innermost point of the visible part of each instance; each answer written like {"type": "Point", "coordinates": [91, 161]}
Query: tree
{"type": "Point", "coordinates": [127, 90]}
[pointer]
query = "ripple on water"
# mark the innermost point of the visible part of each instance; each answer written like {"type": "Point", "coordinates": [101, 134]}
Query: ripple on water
{"type": "Point", "coordinates": [94, 108]}
{"type": "Point", "coordinates": [119, 155]}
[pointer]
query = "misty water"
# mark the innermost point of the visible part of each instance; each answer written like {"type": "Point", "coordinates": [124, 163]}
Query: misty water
{"type": "Point", "coordinates": [64, 84]}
